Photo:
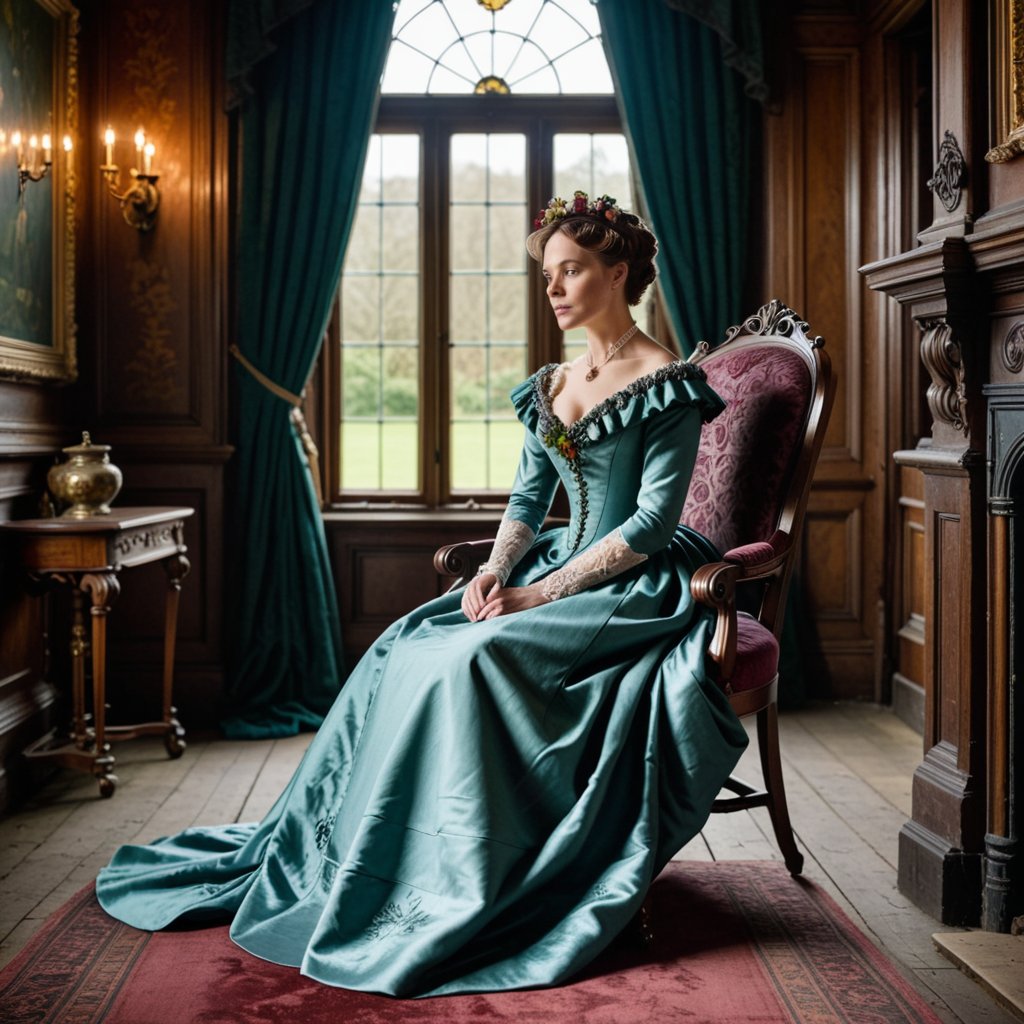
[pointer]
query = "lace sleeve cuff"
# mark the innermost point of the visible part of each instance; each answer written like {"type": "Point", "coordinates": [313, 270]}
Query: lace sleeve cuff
{"type": "Point", "coordinates": [607, 558]}
{"type": "Point", "coordinates": [512, 542]}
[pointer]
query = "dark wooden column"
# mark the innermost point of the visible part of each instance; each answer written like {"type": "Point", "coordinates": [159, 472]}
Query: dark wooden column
{"type": "Point", "coordinates": [1003, 887]}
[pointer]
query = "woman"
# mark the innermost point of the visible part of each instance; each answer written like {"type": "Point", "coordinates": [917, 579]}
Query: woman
{"type": "Point", "coordinates": [507, 769]}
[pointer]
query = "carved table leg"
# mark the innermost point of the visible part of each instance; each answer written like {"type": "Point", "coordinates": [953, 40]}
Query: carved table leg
{"type": "Point", "coordinates": [176, 567]}
{"type": "Point", "coordinates": [79, 648]}
{"type": "Point", "coordinates": [103, 588]}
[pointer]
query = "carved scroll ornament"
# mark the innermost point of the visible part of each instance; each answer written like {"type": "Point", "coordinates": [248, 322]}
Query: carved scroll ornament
{"type": "Point", "coordinates": [947, 393]}
{"type": "Point", "coordinates": [948, 178]}
{"type": "Point", "coordinates": [143, 539]}
{"type": "Point", "coordinates": [1013, 348]}
{"type": "Point", "coordinates": [775, 318]}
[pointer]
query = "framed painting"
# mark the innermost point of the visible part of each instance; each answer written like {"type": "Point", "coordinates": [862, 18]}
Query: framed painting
{"type": "Point", "coordinates": [38, 97]}
{"type": "Point", "coordinates": [1008, 86]}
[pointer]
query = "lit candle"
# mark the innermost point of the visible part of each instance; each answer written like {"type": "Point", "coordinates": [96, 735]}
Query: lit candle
{"type": "Point", "coordinates": [108, 139]}
{"type": "Point", "coordinates": [47, 148]}
{"type": "Point", "coordinates": [33, 145]}
{"type": "Point", "coordinates": [16, 143]}
{"type": "Point", "coordinates": [149, 151]}
{"type": "Point", "coordinates": [140, 141]}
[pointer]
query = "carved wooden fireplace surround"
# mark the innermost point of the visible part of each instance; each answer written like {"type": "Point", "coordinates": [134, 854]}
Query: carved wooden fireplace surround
{"type": "Point", "coordinates": [960, 854]}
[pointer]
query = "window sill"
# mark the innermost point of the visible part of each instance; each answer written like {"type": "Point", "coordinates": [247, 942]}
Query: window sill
{"type": "Point", "coordinates": [393, 512]}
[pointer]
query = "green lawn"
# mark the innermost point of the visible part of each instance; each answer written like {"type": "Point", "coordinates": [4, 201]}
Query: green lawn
{"type": "Point", "coordinates": [484, 457]}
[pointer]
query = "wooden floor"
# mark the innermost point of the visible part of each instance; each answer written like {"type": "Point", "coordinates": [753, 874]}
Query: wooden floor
{"type": "Point", "coordinates": [848, 774]}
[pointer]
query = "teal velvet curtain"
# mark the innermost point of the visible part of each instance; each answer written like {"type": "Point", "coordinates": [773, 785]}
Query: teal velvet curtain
{"type": "Point", "coordinates": [737, 23]}
{"type": "Point", "coordinates": [690, 127]}
{"type": "Point", "coordinates": [252, 25]}
{"type": "Point", "coordinates": [304, 124]}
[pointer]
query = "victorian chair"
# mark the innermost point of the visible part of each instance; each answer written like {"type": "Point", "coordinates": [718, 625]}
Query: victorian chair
{"type": "Point", "coordinates": [748, 495]}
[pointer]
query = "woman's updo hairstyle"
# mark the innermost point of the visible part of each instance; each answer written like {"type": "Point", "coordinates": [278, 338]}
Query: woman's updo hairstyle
{"type": "Point", "coordinates": [626, 239]}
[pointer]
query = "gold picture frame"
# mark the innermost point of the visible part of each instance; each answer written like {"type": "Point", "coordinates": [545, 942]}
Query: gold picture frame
{"type": "Point", "coordinates": [1008, 66]}
{"type": "Point", "coordinates": [38, 93]}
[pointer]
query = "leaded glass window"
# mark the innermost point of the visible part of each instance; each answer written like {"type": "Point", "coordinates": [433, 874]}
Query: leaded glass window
{"type": "Point", "coordinates": [440, 311]}
{"type": "Point", "coordinates": [488, 303]}
{"type": "Point", "coordinates": [380, 324]}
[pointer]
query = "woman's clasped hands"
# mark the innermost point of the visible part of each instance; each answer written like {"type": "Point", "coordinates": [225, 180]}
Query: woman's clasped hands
{"type": "Point", "coordinates": [486, 598]}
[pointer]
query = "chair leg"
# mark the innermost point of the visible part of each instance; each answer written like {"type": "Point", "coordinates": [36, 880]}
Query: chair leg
{"type": "Point", "coordinates": [771, 766]}
{"type": "Point", "coordinates": [638, 935]}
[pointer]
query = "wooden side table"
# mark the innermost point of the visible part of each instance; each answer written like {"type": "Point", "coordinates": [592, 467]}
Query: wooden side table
{"type": "Point", "coordinates": [87, 556]}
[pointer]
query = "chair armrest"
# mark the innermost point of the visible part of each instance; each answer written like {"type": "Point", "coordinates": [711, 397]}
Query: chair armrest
{"type": "Point", "coordinates": [714, 585]}
{"type": "Point", "coordinates": [761, 559]}
{"type": "Point", "coordinates": [462, 560]}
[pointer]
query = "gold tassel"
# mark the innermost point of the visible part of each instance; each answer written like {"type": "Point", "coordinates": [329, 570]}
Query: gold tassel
{"type": "Point", "coordinates": [298, 420]}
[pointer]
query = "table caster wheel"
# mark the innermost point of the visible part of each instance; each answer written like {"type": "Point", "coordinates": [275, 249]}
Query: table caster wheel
{"type": "Point", "coordinates": [108, 783]}
{"type": "Point", "coordinates": [175, 745]}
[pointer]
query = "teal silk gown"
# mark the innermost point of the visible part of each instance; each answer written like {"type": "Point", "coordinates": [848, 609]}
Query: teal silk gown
{"type": "Point", "coordinates": [487, 803]}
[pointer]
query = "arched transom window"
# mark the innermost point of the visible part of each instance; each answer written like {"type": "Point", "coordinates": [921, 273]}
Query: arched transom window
{"type": "Point", "coordinates": [503, 46]}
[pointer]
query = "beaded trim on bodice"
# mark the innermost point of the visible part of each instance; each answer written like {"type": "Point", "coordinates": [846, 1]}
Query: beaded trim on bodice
{"type": "Point", "coordinates": [570, 441]}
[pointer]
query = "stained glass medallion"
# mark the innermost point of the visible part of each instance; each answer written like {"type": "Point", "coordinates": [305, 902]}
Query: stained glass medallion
{"type": "Point", "coordinates": [496, 46]}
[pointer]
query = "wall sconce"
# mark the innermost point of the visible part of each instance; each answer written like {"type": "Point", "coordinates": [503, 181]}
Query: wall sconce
{"type": "Point", "coordinates": [140, 200]}
{"type": "Point", "coordinates": [30, 166]}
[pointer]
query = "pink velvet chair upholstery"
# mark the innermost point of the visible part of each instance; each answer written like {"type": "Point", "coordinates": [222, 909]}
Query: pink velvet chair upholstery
{"type": "Point", "coordinates": [748, 495]}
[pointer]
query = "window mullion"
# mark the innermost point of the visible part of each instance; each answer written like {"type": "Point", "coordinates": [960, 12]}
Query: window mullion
{"type": "Point", "coordinates": [545, 339]}
{"type": "Point", "coordinates": [434, 337]}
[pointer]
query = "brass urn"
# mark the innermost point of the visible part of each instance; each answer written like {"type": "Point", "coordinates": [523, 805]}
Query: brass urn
{"type": "Point", "coordinates": [87, 481]}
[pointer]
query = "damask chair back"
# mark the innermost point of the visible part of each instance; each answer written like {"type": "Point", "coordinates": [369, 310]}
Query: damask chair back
{"type": "Point", "coordinates": [751, 480]}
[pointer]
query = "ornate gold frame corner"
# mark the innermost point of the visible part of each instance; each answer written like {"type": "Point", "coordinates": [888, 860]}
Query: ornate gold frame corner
{"type": "Point", "coordinates": [20, 359]}
{"type": "Point", "coordinates": [1008, 87]}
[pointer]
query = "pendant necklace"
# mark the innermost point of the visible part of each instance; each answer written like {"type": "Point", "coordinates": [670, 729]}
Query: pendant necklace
{"type": "Point", "coordinates": [592, 372]}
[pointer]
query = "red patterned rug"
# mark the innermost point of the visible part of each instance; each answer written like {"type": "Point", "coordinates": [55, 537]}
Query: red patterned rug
{"type": "Point", "coordinates": [736, 943]}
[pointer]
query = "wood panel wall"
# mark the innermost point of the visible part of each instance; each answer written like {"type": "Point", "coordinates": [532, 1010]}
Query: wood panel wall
{"type": "Point", "coordinates": [153, 307]}
{"type": "Point", "coordinates": [814, 224]}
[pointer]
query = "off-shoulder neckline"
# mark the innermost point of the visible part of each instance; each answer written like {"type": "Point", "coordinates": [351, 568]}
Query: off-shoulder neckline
{"type": "Point", "coordinates": [678, 369]}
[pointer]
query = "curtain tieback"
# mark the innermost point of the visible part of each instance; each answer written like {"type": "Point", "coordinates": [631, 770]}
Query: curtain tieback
{"type": "Point", "coordinates": [298, 420]}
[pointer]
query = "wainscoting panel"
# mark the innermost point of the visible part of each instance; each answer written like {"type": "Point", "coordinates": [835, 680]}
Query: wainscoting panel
{"type": "Point", "coordinates": [384, 565]}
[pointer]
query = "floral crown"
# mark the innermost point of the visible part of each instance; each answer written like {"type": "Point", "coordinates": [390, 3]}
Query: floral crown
{"type": "Point", "coordinates": [603, 208]}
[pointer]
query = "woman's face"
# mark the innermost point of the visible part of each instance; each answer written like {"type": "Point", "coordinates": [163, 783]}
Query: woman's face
{"type": "Point", "coordinates": [581, 289]}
